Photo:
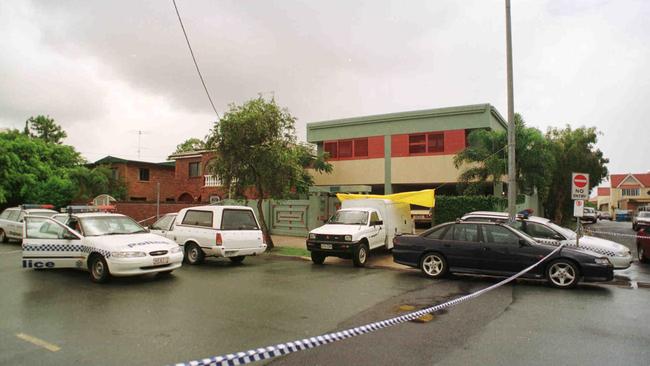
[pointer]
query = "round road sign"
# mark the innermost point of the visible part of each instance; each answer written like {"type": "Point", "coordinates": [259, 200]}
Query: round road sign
{"type": "Point", "coordinates": [580, 181]}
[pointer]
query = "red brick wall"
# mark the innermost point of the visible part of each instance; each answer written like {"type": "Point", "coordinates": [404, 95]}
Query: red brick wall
{"type": "Point", "coordinates": [141, 210]}
{"type": "Point", "coordinates": [147, 189]}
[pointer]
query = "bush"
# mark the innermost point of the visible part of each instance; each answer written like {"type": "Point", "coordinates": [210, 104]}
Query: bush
{"type": "Point", "coordinates": [450, 208]}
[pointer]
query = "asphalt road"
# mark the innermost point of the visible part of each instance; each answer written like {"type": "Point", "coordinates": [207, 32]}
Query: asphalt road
{"type": "Point", "coordinates": [221, 308]}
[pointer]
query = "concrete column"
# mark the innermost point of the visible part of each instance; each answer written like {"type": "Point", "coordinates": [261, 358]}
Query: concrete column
{"type": "Point", "coordinates": [388, 182]}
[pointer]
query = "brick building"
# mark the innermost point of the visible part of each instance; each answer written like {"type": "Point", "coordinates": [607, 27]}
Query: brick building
{"type": "Point", "coordinates": [182, 180]}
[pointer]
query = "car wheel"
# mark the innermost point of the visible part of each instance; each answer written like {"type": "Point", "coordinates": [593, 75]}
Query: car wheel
{"type": "Point", "coordinates": [360, 255]}
{"type": "Point", "coordinates": [562, 274]}
{"type": "Point", "coordinates": [194, 254]}
{"type": "Point", "coordinates": [237, 259]}
{"type": "Point", "coordinates": [98, 267]}
{"type": "Point", "coordinates": [318, 258]}
{"type": "Point", "coordinates": [3, 236]}
{"type": "Point", "coordinates": [433, 265]}
{"type": "Point", "coordinates": [640, 253]}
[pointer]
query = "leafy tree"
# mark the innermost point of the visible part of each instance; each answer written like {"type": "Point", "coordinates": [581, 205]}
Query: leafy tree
{"type": "Point", "coordinates": [256, 147]}
{"type": "Point", "coordinates": [574, 151]}
{"type": "Point", "coordinates": [191, 144]}
{"type": "Point", "coordinates": [44, 127]}
{"type": "Point", "coordinates": [486, 157]}
{"type": "Point", "coordinates": [33, 170]}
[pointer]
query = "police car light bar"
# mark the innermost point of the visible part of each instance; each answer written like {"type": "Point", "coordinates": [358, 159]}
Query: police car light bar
{"type": "Point", "coordinates": [85, 208]}
{"type": "Point", "coordinates": [28, 206]}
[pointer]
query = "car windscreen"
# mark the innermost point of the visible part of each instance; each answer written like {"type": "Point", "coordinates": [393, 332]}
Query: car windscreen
{"type": "Point", "coordinates": [562, 230]}
{"type": "Point", "coordinates": [110, 225]}
{"type": "Point", "coordinates": [349, 218]}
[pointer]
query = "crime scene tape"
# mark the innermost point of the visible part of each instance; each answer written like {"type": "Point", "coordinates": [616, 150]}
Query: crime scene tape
{"type": "Point", "coordinates": [608, 233]}
{"type": "Point", "coordinates": [259, 354]}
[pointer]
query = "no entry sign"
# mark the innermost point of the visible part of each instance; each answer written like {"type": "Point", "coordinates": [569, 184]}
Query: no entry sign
{"type": "Point", "coordinates": [580, 186]}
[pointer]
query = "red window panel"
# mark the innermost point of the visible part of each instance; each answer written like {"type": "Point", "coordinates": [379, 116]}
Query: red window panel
{"type": "Point", "coordinates": [345, 149]}
{"type": "Point", "coordinates": [331, 149]}
{"type": "Point", "coordinates": [436, 142]}
{"type": "Point", "coordinates": [417, 144]}
{"type": "Point", "coordinates": [361, 147]}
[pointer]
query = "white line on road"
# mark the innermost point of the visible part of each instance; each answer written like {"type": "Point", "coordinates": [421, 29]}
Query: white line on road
{"type": "Point", "coordinates": [11, 252]}
{"type": "Point", "coordinates": [39, 342]}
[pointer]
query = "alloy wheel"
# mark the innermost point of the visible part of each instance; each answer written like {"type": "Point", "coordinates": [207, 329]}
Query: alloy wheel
{"type": "Point", "coordinates": [432, 265]}
{"type": "Point", "coordinates": [562, 274]}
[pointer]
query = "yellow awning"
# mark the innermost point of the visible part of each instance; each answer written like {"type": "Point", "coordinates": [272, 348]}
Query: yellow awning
{"type": "Point", "coordinates": [425, 198]}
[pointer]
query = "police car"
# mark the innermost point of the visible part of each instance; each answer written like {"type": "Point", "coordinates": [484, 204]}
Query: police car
{"type": "Point", "coordinates": [105, 244]}
{"type": "Point", "coordinates": [11, 219]}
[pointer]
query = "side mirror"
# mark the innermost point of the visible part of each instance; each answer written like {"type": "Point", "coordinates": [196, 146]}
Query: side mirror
{"type": "Point", "coordinates": [375, 223]}
{"type": "Point", "coordinates": [522, 242]}
{"type": "Point", "coordinates": [558, 237]}
{"type": "Point", "coordinates": [69, 236]}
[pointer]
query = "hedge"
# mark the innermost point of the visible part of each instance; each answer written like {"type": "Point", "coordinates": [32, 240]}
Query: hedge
{"type": "Point", "coordinates": [450, 208]}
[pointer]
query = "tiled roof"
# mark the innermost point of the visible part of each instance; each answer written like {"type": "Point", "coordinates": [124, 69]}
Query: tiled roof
{"type": "Point", "coordinates": [617, 179]}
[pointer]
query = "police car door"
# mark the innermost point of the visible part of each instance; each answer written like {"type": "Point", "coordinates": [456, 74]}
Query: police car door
{"type": "Point", "coordinates": [48, 243]}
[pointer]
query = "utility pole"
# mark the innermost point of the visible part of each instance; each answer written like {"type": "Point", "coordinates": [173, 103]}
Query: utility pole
{"type": "Point", "coordinates": [512, 179]}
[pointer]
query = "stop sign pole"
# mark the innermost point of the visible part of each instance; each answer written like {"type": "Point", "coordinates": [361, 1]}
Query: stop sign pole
{"type": "Point", "coordinates": [579, 192]}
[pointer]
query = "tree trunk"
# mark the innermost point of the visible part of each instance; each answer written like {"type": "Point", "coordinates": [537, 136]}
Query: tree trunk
{"type": "Point", "coordinates": [265, 229]}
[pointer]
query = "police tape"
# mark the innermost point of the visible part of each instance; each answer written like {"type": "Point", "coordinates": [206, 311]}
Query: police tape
{"type": "Point", "coordinates": [259, 354]}
{"type": "Point", "coordinates": [609, 233]}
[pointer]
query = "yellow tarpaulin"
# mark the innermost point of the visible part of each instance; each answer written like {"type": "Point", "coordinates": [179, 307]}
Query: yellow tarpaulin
{"type": "Point", "coordinates": [425, 198]}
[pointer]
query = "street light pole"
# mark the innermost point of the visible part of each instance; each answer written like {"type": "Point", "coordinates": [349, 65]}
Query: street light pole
{"type": "Point", "coordinates": [512, 179]}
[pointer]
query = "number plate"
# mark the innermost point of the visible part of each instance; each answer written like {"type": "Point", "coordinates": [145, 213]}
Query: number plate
{"type": "Point", "coordinates": [326, 246]}
{"type": "Point", "coordinates": [161, 260]}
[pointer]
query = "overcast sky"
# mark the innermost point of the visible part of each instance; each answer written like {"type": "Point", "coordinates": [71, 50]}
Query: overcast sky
{"type": "Point", "coordinates": [107, 69]}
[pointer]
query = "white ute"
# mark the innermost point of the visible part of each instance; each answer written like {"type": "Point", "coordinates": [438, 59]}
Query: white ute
{"type": "Point", "coordinates": [218, 231]}
{"type": "Point", "coordinates": [360, 226]}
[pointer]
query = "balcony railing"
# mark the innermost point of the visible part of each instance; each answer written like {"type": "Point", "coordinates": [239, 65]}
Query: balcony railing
{"type": "Point", "coordinates": [211, 181]}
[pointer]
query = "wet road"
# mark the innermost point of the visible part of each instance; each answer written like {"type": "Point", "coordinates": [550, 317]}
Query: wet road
{"type": "Point", "coordinates": [220, 308]}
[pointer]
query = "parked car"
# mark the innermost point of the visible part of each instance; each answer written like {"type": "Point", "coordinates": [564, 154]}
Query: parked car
{"type": "Point", "coordinates": [604, 215]}
{"type": "Point", "coordinates": [164, 225]}
{"type": "Point", "coordinates": [104, 244]}
{"type": "Point", "coordinates": [641, 220]}
{"type": "Point", "coordinates": [589, 215]}
{"type": "Point", "coordinates": [218, 231]}
{"type": "Point", "coordinates": [11, 219]}
{"type": "Point", "coordinates": [360, 226]}
{"type": "Point", "coordinates": [643, 245]}
{"type": "Point", "coordinates": [545, 231]}
{"type": "Point", "coordinates": [496, 249]}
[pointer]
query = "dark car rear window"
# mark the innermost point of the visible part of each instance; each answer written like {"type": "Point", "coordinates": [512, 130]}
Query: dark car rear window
{"type": "Point", "coordinates": [198, 218]}
{"type": "Point", "coordinates": [238, 220]}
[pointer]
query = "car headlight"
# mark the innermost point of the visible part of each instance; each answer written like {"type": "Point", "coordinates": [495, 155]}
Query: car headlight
{"type": "Point", "coordinates": [604, 261]}
{"type": "Point", "coordinates": [128, 254]}
{"type": "Point", "coordinates": [312, 236]}
{"type": "Point", "coordinates": [175, 249]}
{"type": "Point", "coordinates": [348, 238]}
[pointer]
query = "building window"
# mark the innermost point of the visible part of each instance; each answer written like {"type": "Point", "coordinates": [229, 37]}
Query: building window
{"type": "Point", "coordinates": [331, 149]}
{"type": "Point", "coordinates": [115, 174]}
{"type": "Point", "coordinates": [361, 147]}
{"type": "Point", "coordinates": [417, 144]}
{"type": "Point", "coordinates": [194, 169]}
{"type": "Point", "coordinates": [144, 174]}
{"type": "Point", "coordinates": [345, 149]}
{"type": "Point", "coordinates": [426, 143]}
{"type": "Point", "coordinates": [631, 191]}
{"type": "Point", "coordinates": [435, 142]}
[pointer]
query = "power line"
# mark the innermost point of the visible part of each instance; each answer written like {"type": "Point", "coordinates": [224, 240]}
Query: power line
{"type": "Point", "coordinates": [194, 59]}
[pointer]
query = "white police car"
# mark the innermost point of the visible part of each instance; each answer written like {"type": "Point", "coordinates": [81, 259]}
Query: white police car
{"type": "Point", "coordinates": [11, 219]}
{"type": "Point", "coordinates": [105, 244]}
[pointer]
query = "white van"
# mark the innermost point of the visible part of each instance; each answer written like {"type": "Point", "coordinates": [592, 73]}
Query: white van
{"type": "Point", "coordinates": [358, 227]}
{"type": "Point", "coordinates": [217, 231]}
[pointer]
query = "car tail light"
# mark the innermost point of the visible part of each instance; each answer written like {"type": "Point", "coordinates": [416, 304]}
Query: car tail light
{"type": "Point", "coordinates": [263, 239]}
{"type": "Point", "coordinates": [219, 240]}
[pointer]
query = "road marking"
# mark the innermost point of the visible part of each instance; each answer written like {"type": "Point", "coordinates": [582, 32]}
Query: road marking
{"type": "Point", "coordinates": [11, 252]}
{"type": "Point", "coordinates": [39, 342]}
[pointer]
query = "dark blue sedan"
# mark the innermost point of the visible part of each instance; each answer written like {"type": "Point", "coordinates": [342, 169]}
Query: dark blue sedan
{"type": "Point", "coordinates": [499, 250]}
